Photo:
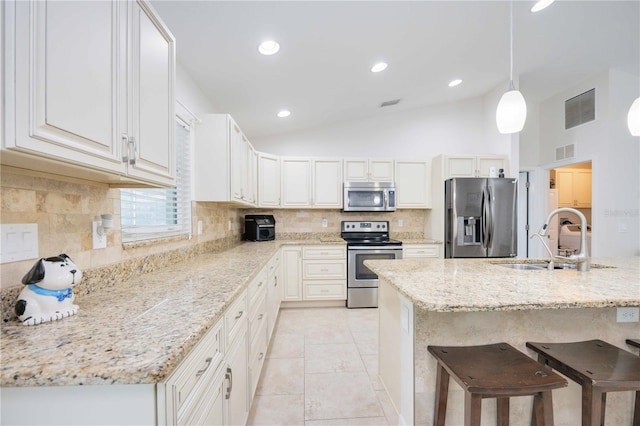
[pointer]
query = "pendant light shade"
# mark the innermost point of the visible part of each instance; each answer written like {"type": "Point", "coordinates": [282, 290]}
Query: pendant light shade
{"type": "Point", "coordinates": [512, 109]}
{"type": "Point", "coordinates": [633, 118]}
{"type": "Point", "coordinates": [512, 112]}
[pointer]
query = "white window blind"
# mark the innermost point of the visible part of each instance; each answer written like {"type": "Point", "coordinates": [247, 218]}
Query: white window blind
{"type": "Point", "coordinates": [151, 213]}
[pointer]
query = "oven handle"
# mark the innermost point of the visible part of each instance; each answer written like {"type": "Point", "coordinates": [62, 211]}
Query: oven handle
{"type": "Point", "coordinates": [375, 248]}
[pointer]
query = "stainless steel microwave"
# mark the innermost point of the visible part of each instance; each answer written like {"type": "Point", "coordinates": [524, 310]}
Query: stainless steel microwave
{"type": "Point", "coordinates": [369, 197]}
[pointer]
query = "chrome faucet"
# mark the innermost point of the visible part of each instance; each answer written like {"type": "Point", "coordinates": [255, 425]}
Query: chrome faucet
{"type": "Point", "coordinates": [582, 257]}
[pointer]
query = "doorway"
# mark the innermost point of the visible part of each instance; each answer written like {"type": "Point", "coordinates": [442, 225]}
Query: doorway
{"type": "Point", "coordinates": [569, 186]}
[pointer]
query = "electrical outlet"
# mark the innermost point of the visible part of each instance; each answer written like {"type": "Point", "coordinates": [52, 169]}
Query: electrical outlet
{"type": "Point", "coordinates": [324, 222]}
{"type": "Point", "coordinates": [229, 226]}
{"type": "Point", "coordinates": [199, 227]}
{"type": "Point", "coordinates": [98, 235]}
{"type": "Point", "coordinates": [400, 223]}
{"type": "Point", "coordinates": [630, 314]}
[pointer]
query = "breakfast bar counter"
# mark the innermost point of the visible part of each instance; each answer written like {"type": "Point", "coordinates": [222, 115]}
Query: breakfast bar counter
{"type": "Point", "coordinates": [459, 302]}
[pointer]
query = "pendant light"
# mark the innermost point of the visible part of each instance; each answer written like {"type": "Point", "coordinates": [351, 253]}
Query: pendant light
{"type": "Point", "coordinates": [512, 109]}
{"type": "Point", "coordinates": [633, 118]}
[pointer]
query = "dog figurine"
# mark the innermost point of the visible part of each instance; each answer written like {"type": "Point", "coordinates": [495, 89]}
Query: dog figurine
{"type": "Point", "coordinates": [48, 295]}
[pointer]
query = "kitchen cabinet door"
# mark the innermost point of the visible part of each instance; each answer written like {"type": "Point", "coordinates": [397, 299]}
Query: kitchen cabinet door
{"type": "Point", "coordinates": [582, 188]}
{"type": "Point", "coordinates": [574, 188]}
{"type": "Point", "coordinates": [413, 184]}
{"type": "Point", "coordinates": [484, 163]}
{"type": "Point", "coordinates": [152, 104]}
{"type": "Point", "coordinates": [238, 382]}
{"type": "Point", "coordinates": [274, 293]}
{"type": "Point", "coordinates": [296, 182]}
{"type": "Point", "coordinates": [474, 166]}
{"type": "Point", "coordinates": [291, 273]}
{"type": "Point", "coordinates": [327, 183]}
{"type": "Point", "coordinates": [59, 71]}
{"type": "Point", "coordinates": [268, 180]}
{"type": "Point", "coordinates": [368, 170]}
{"type": "Point", "coordinates": [93, 96]}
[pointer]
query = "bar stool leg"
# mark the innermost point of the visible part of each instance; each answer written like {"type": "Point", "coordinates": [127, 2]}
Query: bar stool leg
{"type": "Point", "coordinates": [472, 409]}
{"type": "Point", "coordinates": [636, 411]}
{"type": "Point", "coordinates": [442, 391]}
{"type": "Point", "coordinates": [503, 411]}
{"type": "Point", "coordinates": [592, 406]}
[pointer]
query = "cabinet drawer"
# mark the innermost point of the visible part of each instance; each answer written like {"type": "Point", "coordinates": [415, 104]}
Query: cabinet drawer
{"type": "Point", "coordinates": [322, 269]}
{"type": "Point", "coordinates": [331, 289]}
{"type": "Point", "coordinates": [256, 359]}
{"type": "Point", "coordinates": [196, 369]}
{"type": "Point", "coordinates": [258, 318]}
{"type": "Point", "coordinates": [422, 251]}
{"type": "Point", "coordinates": [324, 252]}
{"type": "Point", "coordinates": [235, 318]}
{"type": "Point", "coordinates": [257, 287]}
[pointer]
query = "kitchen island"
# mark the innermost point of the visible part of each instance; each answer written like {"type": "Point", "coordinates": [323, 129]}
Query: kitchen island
{"type": "Point", "coordinates": [477, 301]}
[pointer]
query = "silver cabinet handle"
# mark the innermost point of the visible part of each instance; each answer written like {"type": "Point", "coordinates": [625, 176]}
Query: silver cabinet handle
{"type": "Point", "coordinates": [260, 285]}
{"type": "Point", "coordinates": [208, 363]}
{"type": "Point", "coordinates": [229, 376]}
{"type": "Point", "coordinates": [239, 314]}
{"type": "Point", "coordinates": [276, 282]}
{"type": "Point", "coordinates": [125, 147]}
{"type": "Point", "coordinates": [260, 316]}
{"type": "Point", "coordinates": [133, 154]}
{"type": "Point", "coordinates": [261, 356]}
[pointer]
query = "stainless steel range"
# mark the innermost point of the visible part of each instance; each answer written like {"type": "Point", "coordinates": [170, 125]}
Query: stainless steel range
{"type": "Point", "coordinates": [366, 240]}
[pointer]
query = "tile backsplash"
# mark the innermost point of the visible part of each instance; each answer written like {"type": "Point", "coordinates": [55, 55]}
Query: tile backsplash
{"type": "Point", "coordinates": [64, 209]}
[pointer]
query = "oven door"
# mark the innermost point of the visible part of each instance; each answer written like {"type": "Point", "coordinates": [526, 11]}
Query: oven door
{"type": "Point", "coordinates": [358, 275]}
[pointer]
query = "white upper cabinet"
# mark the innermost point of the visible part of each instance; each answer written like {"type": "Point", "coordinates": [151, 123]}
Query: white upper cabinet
{"type": "Point", "coordinates": [574, 187]}
{"type": "Point", "coordinates": [224, 162]}
{"type": "Point", "coordinates": [327, 183]}
{"type": "Point", "coordinates": [268, 180]}
{"type": "Point", "coordinates": [474, 165]}
{"type": "Point", "coordinates": [311, 182]}
{"type": "Point", "coordinates": [368, 170]}
{"type": "Point", "coordinates": [413, 184]}
{"type": "Point", "coordinates": [296, 182]}
{"type": "Point", "coordinates": [93, 93]}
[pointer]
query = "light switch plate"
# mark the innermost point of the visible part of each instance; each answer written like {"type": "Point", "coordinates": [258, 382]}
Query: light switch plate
{"type": "Point", "coordinates": [19, 242]}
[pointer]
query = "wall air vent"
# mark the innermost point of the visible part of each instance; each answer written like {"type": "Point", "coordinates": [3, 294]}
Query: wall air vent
{"type": "Point", "coordinates": [567, 151]}
{"type": "Point", "coordinates": [389, 103]}
{"type": "Point", "coordinates": [580, 109]}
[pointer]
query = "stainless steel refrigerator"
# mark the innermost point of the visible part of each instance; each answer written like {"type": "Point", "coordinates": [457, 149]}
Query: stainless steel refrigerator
{"type": "Point", "coordinates": [480, 217]}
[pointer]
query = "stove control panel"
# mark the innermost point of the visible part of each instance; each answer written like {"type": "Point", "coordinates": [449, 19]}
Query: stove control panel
{"type": "Point", "coordinates": [358, 226]}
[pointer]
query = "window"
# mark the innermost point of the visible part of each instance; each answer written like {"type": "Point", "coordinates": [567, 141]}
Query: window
{"type": "Point", "coordinates": [161, 212]}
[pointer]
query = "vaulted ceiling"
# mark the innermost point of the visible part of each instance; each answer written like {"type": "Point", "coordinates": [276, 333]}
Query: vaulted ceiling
{"type": "Point", "coordinates": [322, 71]}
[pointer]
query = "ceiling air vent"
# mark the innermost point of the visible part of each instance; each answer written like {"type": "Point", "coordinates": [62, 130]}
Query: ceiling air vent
{"type": "Point", "coordinates": [580, 109]}
{"type": "Point", "coordinates": [389, 103]}
{"type": "Point", "coordinates": [567, 151]}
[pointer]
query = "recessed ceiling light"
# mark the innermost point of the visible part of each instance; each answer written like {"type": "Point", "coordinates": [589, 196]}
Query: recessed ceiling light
{"type": "Point", "coordinates": [455, 82]}
{"type": "Point", "coordinates": [268, 47]}
{"type": "Point", "coordinates": [541, 4]}
{"type": "Point", "coordinates": [380, 66]}
{"type": "Point", "coordinates": [284, 113]}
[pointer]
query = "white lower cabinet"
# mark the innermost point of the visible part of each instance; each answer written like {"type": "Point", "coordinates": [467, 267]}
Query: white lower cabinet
{"type": "Point", "coordinates": [420, 250]}
{"type": "Point", "coordinates": [291, 273]}
{"type": "Point", "coordinates": [324, 272]}
{"type": "Point", "coordinates": [274, 292]}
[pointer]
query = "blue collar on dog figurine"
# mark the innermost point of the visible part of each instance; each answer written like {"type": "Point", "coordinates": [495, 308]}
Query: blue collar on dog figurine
{"type": "Point", "coordinates": [60, 294]}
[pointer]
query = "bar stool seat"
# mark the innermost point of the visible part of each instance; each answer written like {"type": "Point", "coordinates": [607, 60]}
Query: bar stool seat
{"type": "Point", "coordinates": [493, 371]}
{"type": "Point", "coordinates": [598, 367]}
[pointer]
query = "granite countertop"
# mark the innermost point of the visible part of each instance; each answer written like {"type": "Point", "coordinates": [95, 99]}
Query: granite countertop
{"type": "Point", "coordinates": [459, 285]}
{"type": "Point", "coordinates": [137, 331]}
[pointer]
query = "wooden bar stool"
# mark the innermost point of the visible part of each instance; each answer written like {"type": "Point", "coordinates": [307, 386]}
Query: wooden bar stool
{"type": "Point", "coordinates": [599, 368]}
{"type": "Point", "coordinates": [493, 371]}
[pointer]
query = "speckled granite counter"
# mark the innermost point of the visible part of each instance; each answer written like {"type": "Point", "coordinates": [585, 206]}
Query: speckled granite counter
{"type": "Point", "coordinates": [454, 285]}
{"type": "Point", "coordinates": [136, 331]}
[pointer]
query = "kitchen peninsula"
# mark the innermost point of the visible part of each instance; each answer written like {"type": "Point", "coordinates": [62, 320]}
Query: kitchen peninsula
{"type": "Point", "coordinates": [477, 301]}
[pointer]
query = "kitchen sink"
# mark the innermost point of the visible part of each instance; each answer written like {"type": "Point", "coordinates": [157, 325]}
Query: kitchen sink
{"type": "Point", "coordinates": [541, 265]}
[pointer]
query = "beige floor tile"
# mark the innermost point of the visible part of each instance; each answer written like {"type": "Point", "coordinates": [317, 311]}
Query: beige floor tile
{"type": "Point", "coordinates": [367, 342]}
{"type": "Point", "coordinates": [362, 421]}
{"type": "Point", "coordinates": [290, 321]}
{"type": "Point", "coordinates": [340, 396]}
{"type": "Point", "coordinates": [332, 358]}
{"type": "Point", "coordinates": [326, 332]}
{"type": "Point", "coordinates": [286, 345]}
{"type": "Point", "coordinates": [282, 376]}
{"type": "Point", "coordinates": [272, 410]}
{"type": "Point", "coordinates": [371, 365]}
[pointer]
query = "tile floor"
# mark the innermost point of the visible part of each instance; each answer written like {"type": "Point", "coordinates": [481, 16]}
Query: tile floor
{"type": "Point", "coordinates": [321, 369]}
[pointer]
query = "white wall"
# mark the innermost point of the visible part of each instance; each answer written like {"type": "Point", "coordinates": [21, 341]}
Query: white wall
{"type": "Point", "coordinates": [455, 128]}
{"type": "Point", "coordinates": [190, 95]}
{"type": "Point", "coordinates": [614, 153]}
